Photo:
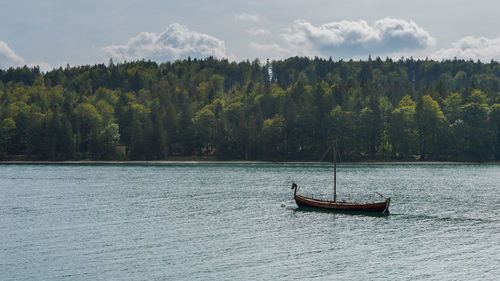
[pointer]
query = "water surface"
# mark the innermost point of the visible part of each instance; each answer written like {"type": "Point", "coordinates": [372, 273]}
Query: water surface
{"type": "Point", "coordinates": [226, 222]}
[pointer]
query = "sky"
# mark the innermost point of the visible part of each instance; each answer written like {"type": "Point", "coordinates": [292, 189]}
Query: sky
{"type": "Point", "coordinates": [54, 33]}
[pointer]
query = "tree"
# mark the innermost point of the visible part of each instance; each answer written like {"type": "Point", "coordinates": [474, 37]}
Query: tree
{"type": "Point", "coordinates": [451, 107]}
{"type": "Point", "coordinates": [480, 138]}
{"type": "Point", "coordinates": [204, 124]}
{"type": "Point", "coordinates": [341, 127]}
{"type": "Point", "coordinates": [364, 131]}
{"type": "Point", "coordinates": [141, 138]}
{"type": "Point", "coordinates": [494, 119]}
{"type": "Point", "coordinates": [109, 138]}
{"type": "Point", "coordinates": [432, 126]}
{"type": "Point", "coordinates": [7, 131]}
{"type": "Point", "coordinates": [403, 132]}
{"type": "Point", "coordinates": [272, 137]}
{"type": "Point", "coordinates": [402, 109]}
{"type": "Point", "coordinates": [88, 125]}
{"type": "Point", "coordinates": [185, 131]}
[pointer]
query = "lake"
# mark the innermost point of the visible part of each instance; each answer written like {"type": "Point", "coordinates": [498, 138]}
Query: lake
{"type": "Point", "coordinates": [227, 222]}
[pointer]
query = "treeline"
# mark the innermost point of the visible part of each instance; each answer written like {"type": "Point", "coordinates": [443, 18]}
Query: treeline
{"type": "Point", "coordinates": [281, 110]}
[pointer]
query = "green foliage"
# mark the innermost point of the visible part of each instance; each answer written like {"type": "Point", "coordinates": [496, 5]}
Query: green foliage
{"type": "Point", "coordinates": [109, 138]}
{"type": "Point", "coordinates": [451, 106]}
{"type": "Point", "coordinates": [432, 126]}
{"type": "Point", "coordinates": [272, 137]}
{"type": "Point", "coordinates": [406, 109]}
{"type": "Point", "coordinates": [7, 131]}
{"type": "Point", "coordinates": [403, 130]}
{"type": "Point", "coordinates": [205, 125]}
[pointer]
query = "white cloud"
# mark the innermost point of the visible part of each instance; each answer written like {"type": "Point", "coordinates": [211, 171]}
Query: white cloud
{"type": "Point", "coordinates": [258, 31]}
{"type": "Point", "coordinates": [343, 39]}
{"type": "Point", "coordinates": [268, 50]}
{"type": "Point", "coordinates": [176, 42]}
{"type": "Point", "coordinates": [8, 58]}
{"type": "Point", "coordinates": [274, 48]}
{"type": "Point", "coordinates": [247, 17]}
{"type": "Point", "coordinates": [471, 48]}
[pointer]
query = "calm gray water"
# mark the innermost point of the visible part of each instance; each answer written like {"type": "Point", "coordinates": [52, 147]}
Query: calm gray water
{"type": "Point", "coordinates": [226, 222]}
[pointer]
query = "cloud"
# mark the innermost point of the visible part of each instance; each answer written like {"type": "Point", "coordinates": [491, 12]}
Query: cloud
{"type": "Point", "coordinates": [353, 38]}
{"type": "Point", "coordinates": [176, 42]}
{"type": "Point", "coordinates": [247, 17]}
{"type": "Point", "coordinates": [271, 48]}
{"type": "Point", "coordinates": [471, 48]}
{"type": "Point", "coordinates": [258, 31]}
{"type": "Point", "coordinates": [8, 58]}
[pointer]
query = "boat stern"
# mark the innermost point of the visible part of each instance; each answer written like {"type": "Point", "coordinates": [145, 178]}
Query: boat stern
{"type": "Point", "coordinates": [387, 203]}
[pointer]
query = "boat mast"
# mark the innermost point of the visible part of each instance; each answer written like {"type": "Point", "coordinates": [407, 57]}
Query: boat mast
{"type": "Point", "coordinates": [335, 171]}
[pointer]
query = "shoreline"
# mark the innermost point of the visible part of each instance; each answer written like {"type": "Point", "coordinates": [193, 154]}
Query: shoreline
{"type": "Point", "coordinates": [170, 162]}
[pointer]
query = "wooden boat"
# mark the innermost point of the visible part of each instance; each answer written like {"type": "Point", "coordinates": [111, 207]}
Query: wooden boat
{"type": "Point", "coordinates": [308, 202]}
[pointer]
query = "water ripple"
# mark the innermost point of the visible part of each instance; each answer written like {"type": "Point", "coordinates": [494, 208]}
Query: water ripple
{"type": "Point", "coordinates": [225, 222]}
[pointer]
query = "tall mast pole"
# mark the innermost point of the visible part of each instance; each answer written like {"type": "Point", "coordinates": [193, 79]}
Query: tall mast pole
{"type": "Point", "coordinates": [335, 171]}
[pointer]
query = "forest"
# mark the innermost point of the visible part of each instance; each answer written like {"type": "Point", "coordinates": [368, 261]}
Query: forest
{"type": "Point", "coordinates": [282, 110]}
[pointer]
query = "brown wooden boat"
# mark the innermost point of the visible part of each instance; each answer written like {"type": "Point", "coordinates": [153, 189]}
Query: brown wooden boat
{"type": "Point", "coordinates": [308, 202]}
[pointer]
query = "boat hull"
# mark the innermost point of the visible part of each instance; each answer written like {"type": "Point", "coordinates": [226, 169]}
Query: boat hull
{"type": "Point", "coordinates": [376, 207]}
